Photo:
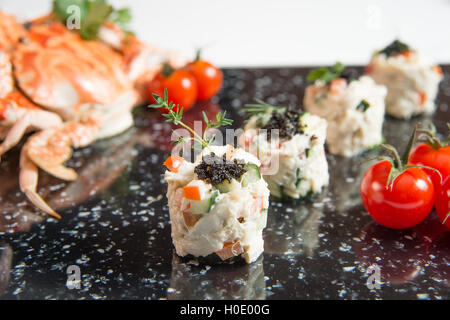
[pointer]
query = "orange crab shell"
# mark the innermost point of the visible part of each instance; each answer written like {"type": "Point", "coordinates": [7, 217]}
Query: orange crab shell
{"type": "Point", "coordinates": [10, 32]}
{"type": "Point", "coordinates": [59, 70]}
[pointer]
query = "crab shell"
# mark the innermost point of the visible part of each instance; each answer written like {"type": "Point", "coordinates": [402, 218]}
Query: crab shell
{"type": "Point", "coordinates": [58, 70]}
{"type": "Point", "coordinates": [10, 32]}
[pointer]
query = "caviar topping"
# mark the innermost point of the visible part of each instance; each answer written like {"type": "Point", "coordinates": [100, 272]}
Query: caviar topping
{"type": "Point", "coordinates": [270, 117]}
{"type": "Point", "coordinates": [215, 170]}
{"type": "Point", "coordinates": [288, 123]}
{"type": "Point", "coordinates": [396, 47]}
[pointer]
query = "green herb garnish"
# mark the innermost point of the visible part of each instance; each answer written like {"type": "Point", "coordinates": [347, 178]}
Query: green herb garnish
{"type": "Point", "coordinates": [175, 114]}
{"type": "Point", "coordinates": [326, 74]}
{"type": "Point", "coordinates": [261, 107]}
{"type": "Point", "coordinates": [363, 105]}
{"type": "Point", "coordinates": [93, 13]}
{"type": "Point", "coordinates": [307, 152]}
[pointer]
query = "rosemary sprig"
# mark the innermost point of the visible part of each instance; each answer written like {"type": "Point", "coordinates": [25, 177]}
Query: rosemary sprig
{"type": "Point", "coordinates": [175, 114]}
{"type": "Point", "coordinates": [261, 107]}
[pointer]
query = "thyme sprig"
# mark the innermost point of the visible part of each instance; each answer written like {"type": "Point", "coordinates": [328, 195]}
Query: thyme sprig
{"type": "Point", "coordinates": [175, 115]}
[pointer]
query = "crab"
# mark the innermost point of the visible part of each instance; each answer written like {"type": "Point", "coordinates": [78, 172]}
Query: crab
{"type": "Point", "coordinates": [71, 91]}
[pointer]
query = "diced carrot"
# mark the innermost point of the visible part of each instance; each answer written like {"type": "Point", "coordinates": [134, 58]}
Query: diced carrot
{"type": "Point", "coordinates": [422, 97]}
{"type": "Point", "coordinates": [173, 163]}
{"type": "Point", "coordinates": [407, 54]}
{"type": "Point", "coordinates": [369, 69]}
{"type": "Point", "coordinates": [438, 70]}
{"type": "Point", "coordinates": [337, 85]}
{"type": "Point", "coordinates": [258, 205]}
{"type": "Point", "coordinates": [248, 140]}
{"type": "Point", "coordinates": [229, 152]}
{"type": "Point", "coordinates": [192, 193]}
{"type": "Point", "coordinates": [230, 249]}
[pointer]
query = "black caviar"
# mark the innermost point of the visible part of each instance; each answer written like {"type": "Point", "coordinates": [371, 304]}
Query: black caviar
{"type": "Point", "coordinates": [216, 170]}
{"type": "Point", "coordinates": [288, 123]}
{"type": "Point", "coordinates": [395, 48]}
{"type": "Point", "coordinates": [349, 74]}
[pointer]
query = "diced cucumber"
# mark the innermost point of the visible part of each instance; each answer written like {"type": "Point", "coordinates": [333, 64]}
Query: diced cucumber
{"type": "Point", "coordinates": [298, 178]}
{"type": "Point", "coordinates": [275, 189]}
{"type": "Point", "coordinates": [307, 152]}
{"type": "Point", "coordinates": [227, 186]}
{"type": "Point", "coordinates": [263, 119]}
{"type": "Point", "coordinates": [205, 205]}
{"type": "Point", "coordinates": [251, 175]}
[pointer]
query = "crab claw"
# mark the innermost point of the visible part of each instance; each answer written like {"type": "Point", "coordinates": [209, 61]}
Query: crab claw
{"type": "Point", "coordinates": [28, 180]}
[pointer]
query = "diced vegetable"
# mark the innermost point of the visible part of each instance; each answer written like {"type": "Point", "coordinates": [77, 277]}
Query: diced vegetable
{"type": "Point", "coordinates": [307, 152]}
{"type": "Point", "coordinates": [251, 175]}
{"type": "Point", "coordinates": [189, 218]}
{"type": "Point", "coordinates": [275, 189]}
{"type": "Point", "coordinates": [258, 205]}
{"type": "Point", "coordinates": [438, 70]}
{"type": "Point", "coordinates": [263, 119]}
{"type": "Point", "coordinates": [227, 186]}
{"type": "Point", "coordinates": [422, 97]}
{"type": "Point", "coordinates": [363, 105]}
{"type": "Point", "coordinates": [298, 178]}
{"type": "Point", "coordinates": [338, 85]}
{"type": "Point", "coordinates": [192, 193]}
{"type": "Point", "coordinates": [230, 249]}
{"type": "Point", "coordinates": [173, 163]}
{"type": "Point", "coordinates": [205, 205]}
{"type": "Point", "coordinates": [407, 54]}
{"type": "Point", "coordinates": [248, 140]}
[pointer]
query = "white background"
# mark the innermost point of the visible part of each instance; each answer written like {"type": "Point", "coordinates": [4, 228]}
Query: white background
{"type": "Point", "coordinates": [272, 33]}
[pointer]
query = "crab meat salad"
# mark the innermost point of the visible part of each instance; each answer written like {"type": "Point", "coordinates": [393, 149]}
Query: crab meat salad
{"type": "Point", "coordinates": [412, 81]}
{"type": "Point", "coordinates": [353, 107]}
{"type": "Point", "coordinates": [290, 146]}
{"type": "Point", "coordinates": [218, 205]}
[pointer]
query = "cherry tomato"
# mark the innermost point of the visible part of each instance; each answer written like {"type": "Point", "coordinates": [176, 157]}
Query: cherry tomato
{"type": "Point", "coordinates": [406, 205]}
{"type": "Point", "coordinates": [443, 202]}
{"type": "Point", "coordinates": [439, 159]}
{"type": "Point", "coordinates": [181, 87]}
{"type": "Point", "coordinates": [209, 78]}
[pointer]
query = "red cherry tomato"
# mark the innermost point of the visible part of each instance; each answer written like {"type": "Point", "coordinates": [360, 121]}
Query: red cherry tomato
{"type": "Point", "coordinates": [181, 87]}
{"type": "Point", "coordinates": [443, 202]}
{"type": "Point", "coordinates": [439, 159]}
{"type": "Point", "coordinates": [406, 205]}
{"type": "Point", "coordinates": [209, 78]}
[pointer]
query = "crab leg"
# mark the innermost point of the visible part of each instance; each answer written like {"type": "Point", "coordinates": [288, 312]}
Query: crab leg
{"type": "Point", "coordinates": [49, 149]}
{"type": "Point", "coordinates": [35, 119]}
{"type": "Point", "coordinates": [28, 179]}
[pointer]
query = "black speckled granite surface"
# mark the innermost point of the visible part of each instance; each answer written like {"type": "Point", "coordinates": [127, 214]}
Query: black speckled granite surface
{"type": "Point", "coordinates": [115, 223]}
